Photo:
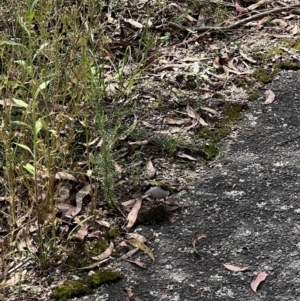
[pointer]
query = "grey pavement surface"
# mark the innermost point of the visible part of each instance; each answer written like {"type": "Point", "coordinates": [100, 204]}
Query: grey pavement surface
{"type": "Point", "coordinates": [249, 209]}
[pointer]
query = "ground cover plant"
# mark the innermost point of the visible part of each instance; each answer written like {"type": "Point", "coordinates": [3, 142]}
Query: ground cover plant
{"type": "Point", "coordinates": [97, 99]}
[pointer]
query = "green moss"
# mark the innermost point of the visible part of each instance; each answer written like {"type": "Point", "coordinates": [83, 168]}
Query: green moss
{"type": "Point", "coordinates": [288, 65]}
{"type": "Point", "coordinates": [112, 234]}
{"type": "Point", "coordinates": [70, 289]}
{"type": "Point", "coordinates": [253, 96]}
{"type": "Point", "coordinates": [272, 52]}
{"type": "Point", "coordinates": [188, 180]}
{"type": "Point", "coordinates": [84, 251]}
{"type": "Point", "coordinates": [231, 115]}
{"type": "Point", "coordinates": [265, 75]}
{"type": "Point", "coordinates": [218, 96]}
{"type": "Point", "coordinates": [77, 288]}
{"type": "Point", "coordinates": [296, 46]}
{"type": "Point", "coordinates": [166, 144]}
{"type": "Point", "coordinates": [292, 43]}
{"type": "Point", "coordinates": [211, 151]}
{"type": "Point", "coordinates": [245, 84]}
{"type": "Point", "coordinates": [154, 215]}
{"type": "Point", "coordinates": [103, 276]}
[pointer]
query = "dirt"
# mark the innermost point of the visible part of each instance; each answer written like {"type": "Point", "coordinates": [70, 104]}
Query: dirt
{"type": "Point", "coordinates": [248, 208]}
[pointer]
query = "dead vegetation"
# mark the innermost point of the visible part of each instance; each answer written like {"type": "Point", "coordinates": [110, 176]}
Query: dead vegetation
{"type": "Point", "coordinates": [97, 99]}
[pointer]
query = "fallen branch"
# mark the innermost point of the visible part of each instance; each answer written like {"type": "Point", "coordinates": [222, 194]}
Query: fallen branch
{"type": "Point", "coordinates": [234, 25]}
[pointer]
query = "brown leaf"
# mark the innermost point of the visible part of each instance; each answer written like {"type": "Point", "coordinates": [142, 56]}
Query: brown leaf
{"type": "Point", "coordinates": [105, 254]}
{"type": "Point", "coordinates": [142, 247]}
{"type": "Point", "coordinates": [65, 209]}
{"type": "Point", "coordinates": [82, 232]}
{"type": "Point", "coordinates": [258, 4]}
{"type": "Point", "coordinates": [151, 171]}
{"type": "Point", "coordinates": [186, 156]}
{"type": "Point", "coordinates": [8, 102]}
{"type": "Point", "coordinates": [246, 57]}
{"type": "Point", "coordinates": [263, 21]}
{"type": "Point", "coordinates": [193, 114]}
{"type": "Point", "coordinates": [295, 30]}
{"type": "Point", "coordinates": [260, 277]}
{"type": "Point", "coordinates": [62, 175]}
{"type": "Point", "coordinates": [240, 9]}
{"type": "Point", "coordinates": [129, 253]}
{"type": "Point", "coordinates": [15, 279]}
{"type": "Point", "coordinates": [136, 236]}
{"type": "Point", "coordinates": [173, 121]}
{"type": "Point", "coordinates": [138, 263]}
{"type": "Point", "coordinates": [209, 110]}
{"type": "Point", "coordinates": [170, 67]}
{"type": "Point", "coordinates": [279, 22]}
{"type": "Point", "coordinates": [134, 23]}
{"type": "Point", "coordinates": [197, 237]}
{"type": "Point", "coordinates": [234, 268]}
{"type": "Point", "coordinates": [129, 292]}
{"type": "Point", "coordinates": [270, 96]}
{"type": "Point", "coordinates": [131, 218]}
{"type": "Point", "coordinates": [163, 297]}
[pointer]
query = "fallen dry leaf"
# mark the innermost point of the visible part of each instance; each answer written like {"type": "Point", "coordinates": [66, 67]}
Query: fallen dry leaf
{"type": "Point", "coordinates": [197, 237]}
{"type": "Point", "coordinates": [193, 114]}
{"type": "Point", "coordinates": [129, 253]}
{"type": "Point", "coordinates": [240, 9]}
{"type": "Point", "coordinates": [151, 171]}
{"type": "Point", "coordinates": [163, 297]}
{"type": "Point", "coordinates": [82, 232]}
{"type": "Point", "coordinates": [206, 289]}
{"type": "Point", "coordinates": [172, 121]}
{"type": "Point", "coordinates": [14, 280]}
{"type": "Point", "coordinates": [142, 247]}
{"type": "Point", "coordinates": [131, 218]}
{"type": "Point", "coordinates": [259, 3]}
{"type": "Point", "coordinates": [134, 23]}
{"type": "Point", "coordinates": [62, 175]}
{"type": "Point", "coordinates": [185, 156]}
{"type": "Point", "coordinates": [270, 96]}
{"type": "Point", "coordinates": [209, 110]}
{"type": "Point", "coordinates": [248, 58]}
{"type": "Point", "coordinates": [138, 263]}
{"type": "Point", "coordinates": [105, 254]}
{"type": "Point", "coordinates": [8, 102]}
{"type": "Point", "coordinates": [260, 277]}
{"type": "Point", "coordinates": [129, 292]}
{"type": "Point", "coordinates": [136, 236]}
{"type": "Point", "coordinates": [234, 268]}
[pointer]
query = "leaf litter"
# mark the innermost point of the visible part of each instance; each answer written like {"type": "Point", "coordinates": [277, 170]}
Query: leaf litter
{"type": "Point", "coordinates": [175, 62]}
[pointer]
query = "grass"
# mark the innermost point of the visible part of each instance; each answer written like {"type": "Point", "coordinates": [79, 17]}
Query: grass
{"type": "Point", "coordinates": [72, 94]}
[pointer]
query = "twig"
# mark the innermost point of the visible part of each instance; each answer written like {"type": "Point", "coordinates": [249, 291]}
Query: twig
{"type": "Point", "coordinates": [234, 25]}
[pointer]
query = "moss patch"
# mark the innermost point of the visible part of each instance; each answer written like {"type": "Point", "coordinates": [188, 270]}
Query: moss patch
{"type": "Point", "coordinates": [253, 96]}
{"type": "Point", "coordinates": [231, 115]}
{"type": "Point", "coordinates": [84, 250]}
{"type": "Point", "coordinates": [265, 75]}
{"type": "Point", "coordinates": [77, 288]}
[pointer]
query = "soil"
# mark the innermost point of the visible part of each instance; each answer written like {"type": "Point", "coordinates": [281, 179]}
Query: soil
{"type": "Point", "coordinates": [248, 207]}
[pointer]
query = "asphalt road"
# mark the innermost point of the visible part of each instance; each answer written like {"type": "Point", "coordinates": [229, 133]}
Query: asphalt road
{"type": "Point", "coordinates": [249, 210]}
